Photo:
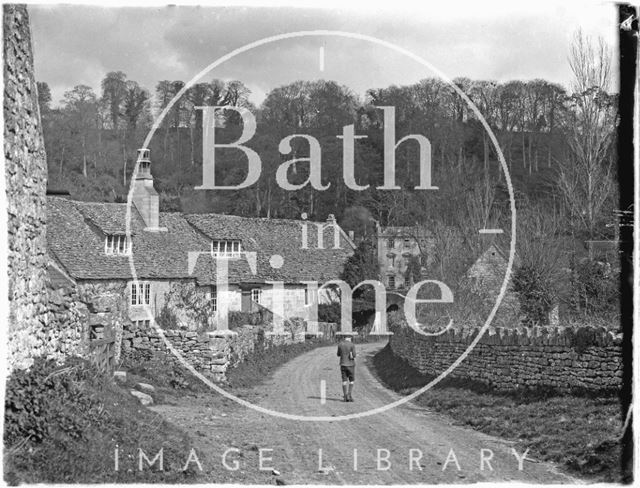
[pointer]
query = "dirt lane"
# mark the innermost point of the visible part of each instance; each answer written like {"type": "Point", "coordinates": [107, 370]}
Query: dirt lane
{"type": "Point", "coordinates": [323, 452]}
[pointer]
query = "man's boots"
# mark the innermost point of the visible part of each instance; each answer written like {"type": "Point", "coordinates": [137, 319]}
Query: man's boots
{"type": "Point", "coordinates": [349, 397]}
{"type": "Point", "coordinates": [345, 391]}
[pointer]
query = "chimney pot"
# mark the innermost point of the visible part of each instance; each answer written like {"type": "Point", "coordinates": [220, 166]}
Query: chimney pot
{"type": "Point", "coordinates": [331, 218]}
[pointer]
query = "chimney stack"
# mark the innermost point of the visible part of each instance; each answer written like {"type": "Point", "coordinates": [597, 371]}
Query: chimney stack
{"type": "Point", "coordinates": [145, 197]}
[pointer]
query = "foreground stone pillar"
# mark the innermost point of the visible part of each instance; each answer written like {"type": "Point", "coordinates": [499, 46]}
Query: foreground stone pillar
{"type": "Point", "coordinates": [26, 177]}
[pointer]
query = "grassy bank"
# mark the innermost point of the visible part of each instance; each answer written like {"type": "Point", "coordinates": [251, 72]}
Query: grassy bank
{"type": "Point", "coordinates": [578, 432]}
{"type": "Point", "coordinates": [263, 362]}
{"type": "Point", "coordinates": [63, 424]}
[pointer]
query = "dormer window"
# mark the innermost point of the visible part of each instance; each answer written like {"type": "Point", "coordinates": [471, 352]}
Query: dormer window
{"type": "Point", "coordinates": [226, 248]}
{"type": "Point", "coordinates": [117, 244]}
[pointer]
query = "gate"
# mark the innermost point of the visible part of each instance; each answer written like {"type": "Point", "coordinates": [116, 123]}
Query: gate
{"type": "Point", "coordinates": [102, 349]}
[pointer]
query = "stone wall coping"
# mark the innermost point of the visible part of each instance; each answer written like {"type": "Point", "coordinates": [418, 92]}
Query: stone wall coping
{"type": "Point", "coordinates": [522, 335]}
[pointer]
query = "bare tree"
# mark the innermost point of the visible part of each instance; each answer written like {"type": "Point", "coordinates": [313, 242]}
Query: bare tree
{"type": "Point", "coordinates": [585, 180]}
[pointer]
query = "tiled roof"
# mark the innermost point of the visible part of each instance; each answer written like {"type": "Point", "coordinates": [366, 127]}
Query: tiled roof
{"type": "Point", "coordinates": [76, 237]}
{"type": "Point", "coordinates": [269, 237]}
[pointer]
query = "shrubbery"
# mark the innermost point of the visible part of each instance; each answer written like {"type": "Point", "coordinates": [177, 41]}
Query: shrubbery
{"type": "Point", "coordinates": [48, 398]}
{"type": "Point", "coordinates": [596, 288]}
{"type": "Point", "coordinates": [536, 294]}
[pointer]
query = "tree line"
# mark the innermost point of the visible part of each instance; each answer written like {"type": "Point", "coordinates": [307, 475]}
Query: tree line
{"type": "Point", "coordinates": [557, 144]}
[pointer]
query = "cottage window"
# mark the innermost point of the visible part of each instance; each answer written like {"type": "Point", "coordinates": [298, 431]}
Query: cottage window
{"type": "Point", "coordinates": [226, 248]}
{"type": "Point", "coordinates": [256, 295]}
{"type": "Point", "coordinates": [392, 281]}
{"type": "Point", "coordinates": [117, 244]}
{"type": "Point", "coordinates": [391, 243]}
{"type": "Point", "coordinates": [140, 293]}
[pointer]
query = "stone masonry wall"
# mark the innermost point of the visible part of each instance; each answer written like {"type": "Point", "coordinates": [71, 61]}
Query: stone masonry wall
{"type": "Point", "coordinates": [211, 353]}
{"type": "Point", "coordinates": [563, 358]}
{"type": "Point", "coordinates": [107, 305]}
{"type": "Point", "coordinates": [26, 174]}
{"type": "Point", "coordinates": [67, 333]}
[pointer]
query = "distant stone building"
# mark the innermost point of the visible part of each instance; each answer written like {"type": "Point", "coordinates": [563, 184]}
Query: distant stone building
{"type": "Point", "coordinates": [396, 247]}
{"type": "Point", "coordinates": [167, 262]}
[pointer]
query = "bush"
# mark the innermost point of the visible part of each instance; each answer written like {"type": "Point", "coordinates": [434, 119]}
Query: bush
{"type": "Point", "coordinates": [536, 294]}
{"type": "Point", "coordinates": [329, 312]}
{"type": "Point", "coordinates": [49, 398]}
{"type": "Point", "coordinates": [596, 288]}
{"type": "Point", "coordinates": [167, 319]}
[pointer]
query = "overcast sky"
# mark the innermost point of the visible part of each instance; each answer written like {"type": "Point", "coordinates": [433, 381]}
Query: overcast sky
{"type": "Point", "coordinates": [481, 40]}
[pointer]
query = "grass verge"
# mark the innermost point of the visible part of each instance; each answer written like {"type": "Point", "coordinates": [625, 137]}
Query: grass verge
{"type": "Point", "coordinates": [63, 424]}
{"type": "Point", "coordinates": [263, 362]}
{"type": "Point", "coordinates": [576, 431]}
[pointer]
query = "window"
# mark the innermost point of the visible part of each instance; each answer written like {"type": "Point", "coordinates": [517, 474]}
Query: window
{"type": "Point", "coordinates": [407, 282]}
{"type": "Point", "coordinates": [226, 249]}
{"type": "Point", "coordinates": [407, 243]}
{"type": "Point", "coordinates": [117, 244]}
{"type": "Point", "coordinates": [140, 293]}
{"type": "Point", "coordinates": [392, 281]}
{"type": "Point", "coordinates": [141, 324]}
{"type": "Point", "coordinates": [391, 243]}
{"type": "Point", "coordinates": [393, 260]}
{"type": "Point", "coordinates": [256, 295]}
{"type": "Point", "coordinates": [214, 301]}
{"type": "Point", "coordinates": [306, 296]}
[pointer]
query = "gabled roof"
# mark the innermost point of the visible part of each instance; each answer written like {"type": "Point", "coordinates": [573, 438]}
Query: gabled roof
{"type": "Point", "coordinates": [76, 231]}
{"type": "Point", "coordinates": [270, 237]}
{"type": "Point", "coordinates": [76, 238]}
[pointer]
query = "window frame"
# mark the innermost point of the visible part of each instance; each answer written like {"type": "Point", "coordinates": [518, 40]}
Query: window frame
{"type": "Point", "coordinates": [117, 245]}
{"type": "Point", "coordinates": [391, 280]}
{"type": "Point", "coordinates": [226, 248]}
{"type": "Point", "coordinates": [258, 292]}
{"type": "Point", "coordinates": [140, 293]}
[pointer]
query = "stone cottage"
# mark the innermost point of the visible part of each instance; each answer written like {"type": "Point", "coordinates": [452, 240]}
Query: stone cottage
{"type": "Point", "coordinates": [129, 265]}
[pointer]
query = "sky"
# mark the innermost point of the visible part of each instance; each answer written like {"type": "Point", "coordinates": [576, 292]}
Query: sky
{"type": "Point", "coordinates": [79, 44]}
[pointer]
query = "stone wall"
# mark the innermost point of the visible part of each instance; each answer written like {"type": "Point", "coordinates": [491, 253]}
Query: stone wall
{"type": "Point", "coordinates": [563, 358]}
{"type": "Point", "coordinates": [107, 305]}
{"type": "Point", "coordinates": [211, 353]}
{"type": "Point", "coordinates": [67, 333]}
{"type": "Point", "coordinates": [26, 173]}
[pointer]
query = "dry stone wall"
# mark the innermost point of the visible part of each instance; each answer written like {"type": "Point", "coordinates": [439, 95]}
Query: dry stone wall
{"type": "Point", "coordinates": [209, 352]}
{"type": "Point", "coordinates": [563, 358]}
{"type": "Point", "coordinates": [66, 334]}
{"type": "Point", "coordinates": [26, 173]}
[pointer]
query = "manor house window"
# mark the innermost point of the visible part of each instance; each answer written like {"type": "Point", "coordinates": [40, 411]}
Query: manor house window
{"type": "Point", "coordinates": [117, 244]}
{"type": "Point", "coordinates": [140, 293]}
{"type": "Point", "coordinates": [226, 248]}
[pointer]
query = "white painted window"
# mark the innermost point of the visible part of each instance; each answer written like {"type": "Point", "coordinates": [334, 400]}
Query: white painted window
{"type": "Point", "coordinates": [226, 248]}
{"type": "Point", "coordinates": [256, 295]}
{"type": "Point", "coordinates": [117, 244]}
{"type": "Point", "coordinates": [140, 293]}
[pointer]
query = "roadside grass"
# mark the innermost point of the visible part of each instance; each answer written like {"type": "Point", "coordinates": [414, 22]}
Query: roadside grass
{"type": "Point", "coordinates": [63, 425]}
{"type": "Point", "coordinates": [263, 362]}
{"type": "Point", "coordinates": [578, 432]}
